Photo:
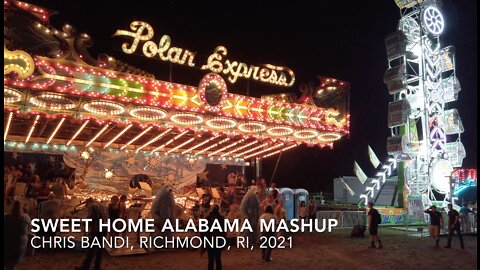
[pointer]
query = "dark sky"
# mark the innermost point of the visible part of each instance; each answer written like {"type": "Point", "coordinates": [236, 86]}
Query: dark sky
{"type": "Point", "coordinates": [341, 39]}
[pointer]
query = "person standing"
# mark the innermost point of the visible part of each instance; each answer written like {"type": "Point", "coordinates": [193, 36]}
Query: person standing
{"type": "Point", "coordinates": [436, 223]}
{"type": "Point", "coordinates": [122, 205]}
{"type": "Point", "coordinates": [96, 211]}
{"type": "Point", "coordinates": [244, 182]}
{"type": "Point", "coordinates": [267, 216]}
{"type": "Point", "coordinates": [43, 192]}
{"type": "Point", "coordinates": [114, 210]}
{"type": "Point", "coordinates": [205, 205]}
{"type": "Point", "coordinates": [215, 253]}
{"type": "Point", "coordinates": [232, 215]}
{"type": "Point", "coordinates": [453, 225]}
{"type": "Point", "coordinates": [33, 187]}
{"type": "Point", "coordinates": [15, 236]}
{"type": "Point", "coordinates": [464, 211]}
{"type": "Point", "coordinates": [278, 201]}
{"type": "Point", "coordinates": [374, 219]}
{"type": "Point", "coordinates": [273, 187]}
{"type": "Point", "coordinates": [261, 192]}
{"type": "Point", "coordinates": [222, 201]}
{"type": "Point", "coordinates": [280, 214]}
{"type": "Point", "coordinates": [269, 201]}
{"type": "Point", "coordinates": [263, 182]}
{"type": "Point", "coordinates": [302, 211]}
{"type": "Point", "coordinates": [232, 178]}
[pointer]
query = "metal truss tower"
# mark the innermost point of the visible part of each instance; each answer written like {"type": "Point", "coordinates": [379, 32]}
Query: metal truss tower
{"type": "Point", "coordinates": [425, 134]}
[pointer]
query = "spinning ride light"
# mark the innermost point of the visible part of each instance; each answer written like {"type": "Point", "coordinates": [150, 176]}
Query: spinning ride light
{"type": "Point", "coordinates": [148, 113]}
{"type": "Point", "coordinates": [187, 119]}
{"type": "Point", "coordinates": [11, 95]}
{"type": "Point", "coordinates": [221, 123]}
{"type": "Point", "coordinates": [53, 101]}
{"type": "Point", "coordinates": [280, 131]}
{"type": "Point", "coordinates": [104, 107]}
{"type": "Point", "coordinates": [433, 20]}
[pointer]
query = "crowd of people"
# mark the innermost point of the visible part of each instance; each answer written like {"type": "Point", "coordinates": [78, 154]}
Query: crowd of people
{"type": "Point", "coordinates": [32, 197]}
{"type": "Point", "coordinates": [458, 223]}
{"type": "Point", "coordinates": [40, 197]}
{"type": "Point", "coordinates": [27, 181]}
{"type": "Point", "coordinates": [229, 200]}
{"type": "Point", "coordinates": [27, 195]}
{"type": "Point", "coordinates": [227, 206]}
{"type": "Point", "coordinates": [44, 199]}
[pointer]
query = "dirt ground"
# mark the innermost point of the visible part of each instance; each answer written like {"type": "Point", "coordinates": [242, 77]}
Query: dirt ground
{"type": "Point", "coordinates": [334, 250]}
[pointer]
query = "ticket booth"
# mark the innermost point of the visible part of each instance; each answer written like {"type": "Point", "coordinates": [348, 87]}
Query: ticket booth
{"type": "Point", "coordinates": [300, 195]}
{"type": "Point", "coordinates": [288, 197]}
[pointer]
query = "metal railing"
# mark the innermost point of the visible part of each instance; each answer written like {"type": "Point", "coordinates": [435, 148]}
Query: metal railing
{"type": "Point", "coordinates": [345, 218]}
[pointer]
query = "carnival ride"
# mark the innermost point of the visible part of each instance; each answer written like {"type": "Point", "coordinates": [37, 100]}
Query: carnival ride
{"type": "Point", "coordinates": [111, 120]}
{"type": "Point", "coordinates": [425, 144]}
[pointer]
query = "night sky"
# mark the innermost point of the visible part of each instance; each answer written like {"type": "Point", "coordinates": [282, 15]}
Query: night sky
{"type": "Point", "coordinates": [340, 39]}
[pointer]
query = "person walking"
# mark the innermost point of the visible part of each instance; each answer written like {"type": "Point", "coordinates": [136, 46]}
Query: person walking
{"type": "Point", "coordinates": [453, 225]}
{"type": "Point", "coordinates": [374, 219]}
{"type": "Point", "coordinates": [96, 211]}
{"type": "Point", "coordinates": [436, 223]}
{"type": "Point", "coordinates": [267, 216]}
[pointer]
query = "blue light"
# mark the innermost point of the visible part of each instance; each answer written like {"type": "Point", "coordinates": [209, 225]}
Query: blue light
{"type": "Point", "coordinates": [466, 184]}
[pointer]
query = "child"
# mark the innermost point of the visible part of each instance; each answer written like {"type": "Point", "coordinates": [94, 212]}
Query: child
{"type": "Point", "coordinates": [302, 211]}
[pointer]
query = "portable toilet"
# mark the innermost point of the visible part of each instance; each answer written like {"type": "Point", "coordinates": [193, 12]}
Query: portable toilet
{"type": "Point", "coordinates": [288, 197]}
{"type": "Point", "coordinates": [300, 195]}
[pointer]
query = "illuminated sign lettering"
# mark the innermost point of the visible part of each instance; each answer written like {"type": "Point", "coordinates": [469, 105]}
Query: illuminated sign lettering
{"type": "Point", "coordinates": [217, 61]}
